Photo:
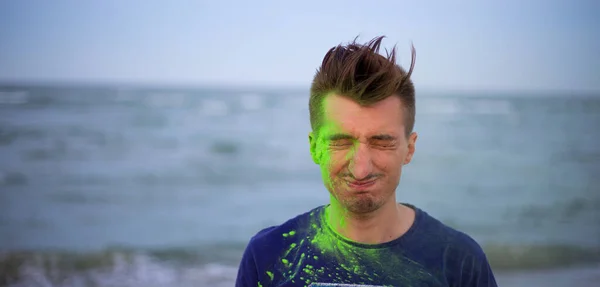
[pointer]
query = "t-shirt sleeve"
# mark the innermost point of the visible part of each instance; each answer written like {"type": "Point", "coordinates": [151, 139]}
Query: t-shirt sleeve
{"type": "Point", "coordinates": [247, 275]}
{"type": "Point", "coordinates": [482, 275]}
{"type": "Point", "coordinates": [476, 271]}
{"type": "Point", "coordinates": [466, 264]}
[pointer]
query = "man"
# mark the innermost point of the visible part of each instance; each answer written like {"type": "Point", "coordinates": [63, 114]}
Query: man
{"type": "Point", "coordinates": [362, 113]}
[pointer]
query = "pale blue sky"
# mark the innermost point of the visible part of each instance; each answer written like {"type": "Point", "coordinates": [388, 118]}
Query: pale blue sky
{"type": "Point", "coordinates": [460, 44]}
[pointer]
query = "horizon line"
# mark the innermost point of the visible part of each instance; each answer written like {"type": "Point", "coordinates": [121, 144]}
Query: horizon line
{"type": "Point", "coordinates": [259, 85]}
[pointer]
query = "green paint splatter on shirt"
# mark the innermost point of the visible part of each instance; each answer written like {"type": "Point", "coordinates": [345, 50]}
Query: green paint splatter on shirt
{"type": "Point", "coordinates": [315, 240]}
{"type": "Point", "coordinates": [323, 245]}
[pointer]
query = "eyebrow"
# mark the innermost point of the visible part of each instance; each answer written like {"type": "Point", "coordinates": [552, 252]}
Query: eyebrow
{"type": "Point", "coordinates": [383, 137]}
{"type": "Point", "coordinates": [341, 136]}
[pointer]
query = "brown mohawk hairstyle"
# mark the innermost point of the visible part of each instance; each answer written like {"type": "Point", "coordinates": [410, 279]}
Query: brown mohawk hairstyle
{"type": "Point", "coordinates": [360, 73]}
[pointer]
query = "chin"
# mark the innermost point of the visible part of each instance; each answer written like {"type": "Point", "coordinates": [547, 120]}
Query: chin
{"type": "Point", "coordinates": [363, 207]}
{"type": "Point", "coordinates": [361, 203]}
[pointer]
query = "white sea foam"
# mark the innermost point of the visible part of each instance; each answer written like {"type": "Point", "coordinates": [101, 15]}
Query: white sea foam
{"type": "Point", "coordinates": [127, 272]}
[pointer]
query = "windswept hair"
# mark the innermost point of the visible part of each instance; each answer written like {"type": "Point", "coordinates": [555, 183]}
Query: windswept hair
{"type": "Point", "coordinates": [359, 72]}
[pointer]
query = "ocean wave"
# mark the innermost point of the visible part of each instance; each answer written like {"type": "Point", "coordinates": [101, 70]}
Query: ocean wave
{"type": "Point", "coordinates": [531, 257]}
{"type": "Point", "coordinates": [224, 147]}
{"type": "Point", "coordinates": [12, 178]}
{"type": "Point", "coordinates": [465, 106]}
{"type": "Point", "coordinates": [150, 120]}
{"type": "Point", "coordinates": [215, 265]}
{"type": "Point", "coordinates": [198, 102]}
{"type": "Point", "coordinates": [108, 269]}
{"type": "Point", "coordinates": [17, 97]}
{"type": "Point", "coordinates": [10, 134]}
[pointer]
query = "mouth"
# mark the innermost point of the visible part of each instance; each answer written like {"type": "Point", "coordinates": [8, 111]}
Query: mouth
{"type": "Point", "coordinates": [361, 185]}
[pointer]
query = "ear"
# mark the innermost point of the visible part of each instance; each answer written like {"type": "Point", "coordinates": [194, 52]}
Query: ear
{"type": "Point", "coordinates": [412, 140]}
{"type": "Point", "coordinates": [312, 140]}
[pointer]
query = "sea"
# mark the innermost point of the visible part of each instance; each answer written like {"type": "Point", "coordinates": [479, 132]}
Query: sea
{"type": "Point", "coordinates": [108, 185]}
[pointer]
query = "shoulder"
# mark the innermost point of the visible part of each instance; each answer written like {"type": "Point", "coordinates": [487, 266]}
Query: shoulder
{"type": "Point", "coordinates": [271, 241]}
{"type": "Point", "coordinates": [280, 235]}
{"type": "Point", "coordinates": [450, 239]}
{"type": "Point", "coordinates": [461, 258]}
{"type": "Point", "coordinates": [266, 246]}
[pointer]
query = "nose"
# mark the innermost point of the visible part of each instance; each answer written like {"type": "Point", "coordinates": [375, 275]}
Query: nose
{"type": "Point", "coordinates": [360, 163]}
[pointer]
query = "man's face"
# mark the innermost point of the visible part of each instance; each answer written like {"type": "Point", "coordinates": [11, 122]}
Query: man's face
{"type": "Point", "coordinates": [361, 151]}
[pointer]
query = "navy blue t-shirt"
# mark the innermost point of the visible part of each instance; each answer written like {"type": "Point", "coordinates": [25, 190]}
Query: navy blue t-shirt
{"type": "Point", "coordinates": [305, 251]}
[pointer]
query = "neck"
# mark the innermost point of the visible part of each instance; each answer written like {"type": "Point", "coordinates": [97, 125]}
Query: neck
{"type": "Point", "coordinates": [385, 224]}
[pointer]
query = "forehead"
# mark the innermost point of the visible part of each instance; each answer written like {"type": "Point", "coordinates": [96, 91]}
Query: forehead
{"type": "Point", "coordinates": [341, 114]}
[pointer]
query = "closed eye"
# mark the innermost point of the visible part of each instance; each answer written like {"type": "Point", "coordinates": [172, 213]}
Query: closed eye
{"type": "Point", "coordinates": [384, 143]}
{"type": "Point", "coordinates": [345, 140]}
{"type": "Point", "coordinates": [341, 142]}
{"type": "Point", "coordinates": [383, 140]}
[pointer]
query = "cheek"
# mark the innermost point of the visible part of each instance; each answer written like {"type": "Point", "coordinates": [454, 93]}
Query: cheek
{"type": "Point", "coordinates": [339, 159]}
{"type": "Point", "coordinates": [331, 170]}
{"type": "Point", "coordinates": [335, 161]}
{"type": "Point", "coordinates": [388, 161]}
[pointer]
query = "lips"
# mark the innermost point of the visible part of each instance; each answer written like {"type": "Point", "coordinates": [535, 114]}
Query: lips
{"type": "Point", "coordinates": [361, 185]}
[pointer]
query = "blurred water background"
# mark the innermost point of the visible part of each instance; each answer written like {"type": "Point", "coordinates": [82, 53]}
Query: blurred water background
{"type": "Point", "coordinates": [105, 186]}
